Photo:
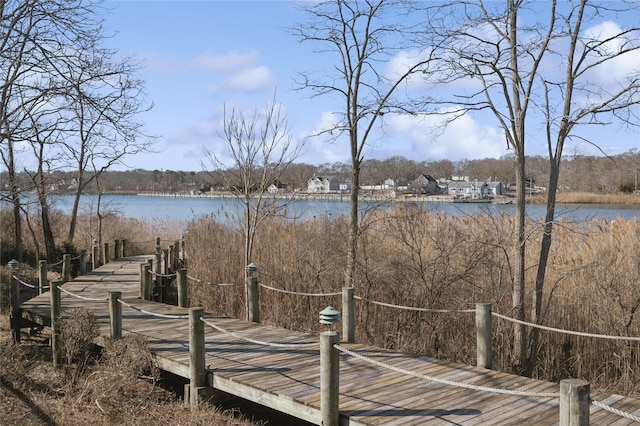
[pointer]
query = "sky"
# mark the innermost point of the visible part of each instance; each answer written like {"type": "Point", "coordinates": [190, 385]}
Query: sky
{"type": "Point", "coordinates": [204, 56]}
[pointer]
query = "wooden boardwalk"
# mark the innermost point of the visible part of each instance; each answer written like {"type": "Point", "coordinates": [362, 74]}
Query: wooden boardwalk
{"type": "Point", "coordinates": [288, 379]}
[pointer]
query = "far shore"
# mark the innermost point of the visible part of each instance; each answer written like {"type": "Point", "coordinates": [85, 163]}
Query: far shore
{"type": "Point", "coordinates": [562, 198]}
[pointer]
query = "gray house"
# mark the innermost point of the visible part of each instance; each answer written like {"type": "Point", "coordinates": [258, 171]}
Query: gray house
{"type": "Point", "coordinates": [425, 184]}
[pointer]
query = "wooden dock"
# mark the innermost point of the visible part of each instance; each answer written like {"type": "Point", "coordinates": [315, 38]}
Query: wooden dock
{"type": "Point", "coordinates": [288, 379]}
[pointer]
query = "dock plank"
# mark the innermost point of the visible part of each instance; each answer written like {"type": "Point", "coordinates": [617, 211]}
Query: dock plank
{"type": "Point", "coordinates": [288, 379]}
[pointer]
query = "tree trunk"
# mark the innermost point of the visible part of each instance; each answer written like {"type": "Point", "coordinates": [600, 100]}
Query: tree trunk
{"type": "Point", "coordinates": [74, 209]}
{"type": "Point", "coordinates": [545, 247]}
{"type": "Point", "coordinates": [352, 243]}
{"type": "Point", "coordinates": [518, 289]}
{"type": "Point", "coordinates": [15, 200]}
{"type": "Point", "coordinates": [49, 240]}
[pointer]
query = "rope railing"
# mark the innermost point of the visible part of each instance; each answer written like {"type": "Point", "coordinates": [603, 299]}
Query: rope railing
{"type": "Point", "coordinates": [298, 293]}
{"type": "Point", "coordinates": [78, 257]}
{"type": "Point", "coordinates": [615, 411]}
{"type": "Point", "coordinates": [411, 308]}
{"type": "Point", "coordinates": [560, 330]}
{"type": "Point", "coordinates": [197, 315]}
{"type": "Point", "coordinates": [211, 283]}
{"type": "Point", "coordinates": [158, 274]}
{"type": "Point", "coordinates": [258, 342]}
{"type": "Point", "coordinates": [447, 382]}
{"type": "Point", "coordinates": [51, 265]}
{"type": "Point", "coordinates": [77, 296]}
{"type": "Point", "coordinates": [155, 314]}
{"type": "Point", "coordinates": [26, 284]}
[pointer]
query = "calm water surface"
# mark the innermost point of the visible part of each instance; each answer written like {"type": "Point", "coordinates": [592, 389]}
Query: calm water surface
{"type": "Point", "coordinates": [186, 209]}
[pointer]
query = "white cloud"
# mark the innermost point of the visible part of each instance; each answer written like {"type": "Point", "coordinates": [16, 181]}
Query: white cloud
{"type": "Point", "coordinates": [321, 145]}
{"type": "Point", "coordinates": [248, 80]}
{"type": "Point", "coordinates": [619, 67]}
{"type": "Point", "coordinates": [463, 138]}
{"type": "Point", "coordinates": [400, 64]}
{"type": "Point", "coordinates": [226, 63]}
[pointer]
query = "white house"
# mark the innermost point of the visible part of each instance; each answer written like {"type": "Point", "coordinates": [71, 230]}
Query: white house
{"type": "Point", "coordinates": [475, 190]}
{"type": "Point", "coordinates": [321, 184]}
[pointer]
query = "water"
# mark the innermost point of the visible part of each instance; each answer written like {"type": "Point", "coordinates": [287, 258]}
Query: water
{"type": "Point", "coordinates": [151, 208]}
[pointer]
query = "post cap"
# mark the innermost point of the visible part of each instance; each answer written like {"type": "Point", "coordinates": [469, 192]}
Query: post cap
{"type": "Point", "coordinates": [13, 264]}
{"type": "Point", "coordinates": [329, 316]}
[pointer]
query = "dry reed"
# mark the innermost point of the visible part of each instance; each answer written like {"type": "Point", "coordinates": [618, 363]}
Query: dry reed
{"type": "Point", "coordinates": [413, 257]}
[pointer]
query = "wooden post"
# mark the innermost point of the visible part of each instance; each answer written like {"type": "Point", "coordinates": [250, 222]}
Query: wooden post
{"type": "Point", "coordinates": [165, 262]}
{"type": "Point", "coordinates": [329, 378]}
{"type": "Point", "coordinates": [43, 280]}
{"type": "Point", "coordinates": [95, 255]}
{"type": "Point", "coordinates": [116, 249]}
{"type": "Point", "coordinates": [182, 254]}
{"type": "Point", "coordinates": [54, 299]}
{"type": "Point", "coordinates": [66, 267]}
{"type": "Point", "coordinates": [172, 258]}
{"type": "Point", "coordinates": [145, 281]}
{"type": "Point", "coordinates": [158, 270]}
{"type": "Point", "coordinates": [254, 299]}
{"type": "Point", "coordinates": [183, 299]}
{"type": "Point", "coordinates": [106, 254]}
{"type": "Point", "coordinates": [348, 315]}
{"type": "Point", "coordinates": [484, 350]}
{"type": "Point", "coordinates": [196, 354]}
{"type": "Point", "coordinates": [574, 402]}
{"type": "Point", "coordinates": [83, 262]}
{"type": "Point", "coordinates": [115, 315]}
{"type": "Point", "coordinates": [124, 248]}
{"type": "Point", "coordinates": [14, 301]}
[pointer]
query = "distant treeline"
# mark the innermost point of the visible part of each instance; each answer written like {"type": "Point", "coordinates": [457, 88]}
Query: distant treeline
{"type": "Point", "coordinates": [582, 173]}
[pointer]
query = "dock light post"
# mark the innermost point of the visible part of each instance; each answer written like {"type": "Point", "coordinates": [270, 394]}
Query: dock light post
{"type": "Point", "coordinates": [329, 368]}
{"type": "Point", "coordinates": [253, 296]}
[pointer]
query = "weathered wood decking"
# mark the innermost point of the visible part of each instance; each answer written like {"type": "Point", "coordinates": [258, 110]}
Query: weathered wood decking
{"type": "Point", "coordinates": [288, 379]}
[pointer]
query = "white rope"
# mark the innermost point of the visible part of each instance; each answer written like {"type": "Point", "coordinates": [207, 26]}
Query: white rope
{"type": "Point", "coordinates": [615, 411]}
{"type": "Point", "coordinates": [77, 257]}
{"type": "Point", "coordinates": [411, 308]}
{"type": "Point", "coordinates": [447, 382]}
{"type": "Point", "coordinates": [559, 330]}
{"type": "Point", "coordinates": [55, 264]}
{"type": "Point", "coordinates": [210, 283]}
{"type": "Point", "coordinates": [258, 342]}
{"type": "Point", "coordinates": [170, 316]}
{"type": "Point", "coordinates": [299, 293]}
{"type": "Point", "coordinates": [77, 296]}
{"type": "Point", "coordinates": [162, 275]}
{"type": "Point", "coordinates": [26, 284]}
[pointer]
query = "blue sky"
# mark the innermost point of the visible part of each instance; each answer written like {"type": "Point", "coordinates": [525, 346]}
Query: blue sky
{"type": "Point", "coordinates": [203, 55]}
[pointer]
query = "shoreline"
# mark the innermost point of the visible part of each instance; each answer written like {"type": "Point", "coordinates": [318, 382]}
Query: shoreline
{"type": "Point", "coordinates": [562, 198]}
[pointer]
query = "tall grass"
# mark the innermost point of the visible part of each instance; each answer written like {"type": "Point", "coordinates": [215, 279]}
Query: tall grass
{"type": "Point", "coordinates": [414, 257]}
{"type": "Point", "coordinates": [590, 198]}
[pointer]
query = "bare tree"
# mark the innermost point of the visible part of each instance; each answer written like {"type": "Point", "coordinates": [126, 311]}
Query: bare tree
{"type": "Point", "coordinates": [61, 97]}
{"type": "Point", "coordinates": [511, 51]}
{"type": "Point", "coordinates": [362, 37]}
{"type": "Point", "coordinates": [104, 99]}
{"type": "Point", "coordinates": [580, 98]}
{"type": "Point", "coordinates": [259, 149]}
